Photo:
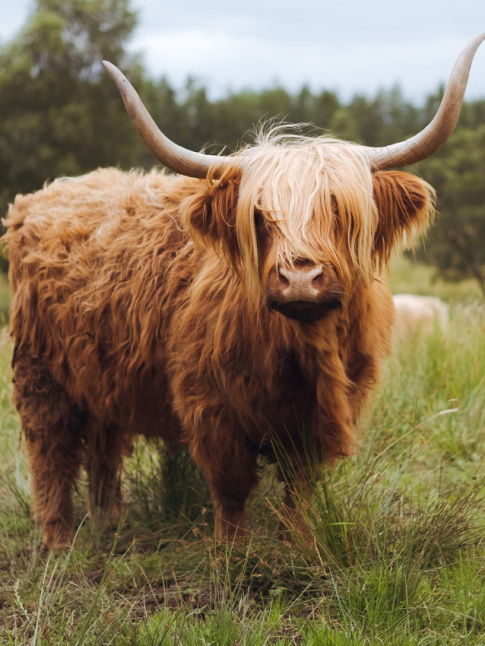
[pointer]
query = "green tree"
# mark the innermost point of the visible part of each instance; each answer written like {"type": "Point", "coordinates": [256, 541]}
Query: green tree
{"type": "Point", "coordinates": [60, 115]}
{"type": "Point", "coordinates": [456, 242]}
{"type": "Point", "coordinates": [343, 125]}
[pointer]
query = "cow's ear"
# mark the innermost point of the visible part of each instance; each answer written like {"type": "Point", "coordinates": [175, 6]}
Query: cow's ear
{"type": "Point", "coordinates": [211, 215]}
{"type": "Point", "coordinates": [406, 206]}
{"type": "Point", "coordinates": [198, 217]}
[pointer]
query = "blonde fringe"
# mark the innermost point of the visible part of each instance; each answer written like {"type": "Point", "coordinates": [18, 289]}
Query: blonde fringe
{"type": "Point", "coordinates": [316, 195]}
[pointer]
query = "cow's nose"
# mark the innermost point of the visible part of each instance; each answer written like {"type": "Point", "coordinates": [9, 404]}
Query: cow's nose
{"type": "Point", "coordinates": [302, 283]}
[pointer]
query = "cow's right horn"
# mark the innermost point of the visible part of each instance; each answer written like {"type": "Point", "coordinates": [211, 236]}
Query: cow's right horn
{"type": "Point", "coordinates": [429, 140]}
{"type": "Point", "coordinates": [175, 157]}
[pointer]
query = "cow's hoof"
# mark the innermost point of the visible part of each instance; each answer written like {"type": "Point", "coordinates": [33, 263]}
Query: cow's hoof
{"type": "Point", "coordinates": [57, 538]}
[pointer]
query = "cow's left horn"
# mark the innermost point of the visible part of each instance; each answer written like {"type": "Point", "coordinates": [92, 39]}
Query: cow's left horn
{"type": "Point", "coordinates": [181, 160]}
{"type": "Point", "coordinates": [429, 140]}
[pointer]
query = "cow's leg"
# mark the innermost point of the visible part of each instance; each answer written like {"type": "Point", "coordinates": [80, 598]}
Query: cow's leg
{"type": "Point", "coordinates": [53, 428]}
{"type": "Point", "coordinates": [231, 473]}
{"type": "Point", "coordinates": [103, 466]}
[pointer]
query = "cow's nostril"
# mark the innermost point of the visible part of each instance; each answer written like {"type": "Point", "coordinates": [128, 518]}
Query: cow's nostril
{"type": "Point", "coordinates": [318, 279]}
{"type": "Point", "coordinates": [283, 279]}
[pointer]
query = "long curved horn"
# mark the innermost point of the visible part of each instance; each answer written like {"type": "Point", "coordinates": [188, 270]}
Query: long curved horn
{"type": "Point", "coordinates": [429, 140]}
{"type": "Point", "coordinates": [179, 159]}
{"type": "Point", "coordinates": [410, 151]}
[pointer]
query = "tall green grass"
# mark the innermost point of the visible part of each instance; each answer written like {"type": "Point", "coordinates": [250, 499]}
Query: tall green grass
{"type": "Point", "coordinates": [4, 299]}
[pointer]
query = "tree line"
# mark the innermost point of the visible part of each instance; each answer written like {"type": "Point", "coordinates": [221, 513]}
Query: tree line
{"type": "Point", "coordinates": [61, 115]}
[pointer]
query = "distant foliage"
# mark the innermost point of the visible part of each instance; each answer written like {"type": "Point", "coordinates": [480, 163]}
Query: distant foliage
{"type": "Point", "coordinates": [58, 114]}
{"type": "Point", "coordinates": [456, 243]}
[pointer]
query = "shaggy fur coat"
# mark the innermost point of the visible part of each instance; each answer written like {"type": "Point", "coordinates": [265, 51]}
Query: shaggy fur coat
{"type": "Point", "coordinates": [139, 308]}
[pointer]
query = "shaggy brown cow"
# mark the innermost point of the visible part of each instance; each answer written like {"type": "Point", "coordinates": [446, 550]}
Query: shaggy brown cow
{"type": "Point", "coordinates": [231, 312]}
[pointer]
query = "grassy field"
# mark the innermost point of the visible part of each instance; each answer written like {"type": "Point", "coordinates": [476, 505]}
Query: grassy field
{"type": "Point", "coordinates": [396, 554]}
{"type": "Point", "coordinates": [4, 299]}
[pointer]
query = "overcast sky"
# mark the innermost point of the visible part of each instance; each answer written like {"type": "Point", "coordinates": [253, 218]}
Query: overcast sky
{"type": "Point", "coordinates": [341, 45]}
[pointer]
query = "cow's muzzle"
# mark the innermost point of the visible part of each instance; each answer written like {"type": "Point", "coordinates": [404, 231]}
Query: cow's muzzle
{"type": "Point", "coordinates": [305, 293]}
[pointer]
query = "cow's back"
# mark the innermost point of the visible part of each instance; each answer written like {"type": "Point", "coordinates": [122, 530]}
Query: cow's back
{"type": "Point", "coordinates": [87, 259]}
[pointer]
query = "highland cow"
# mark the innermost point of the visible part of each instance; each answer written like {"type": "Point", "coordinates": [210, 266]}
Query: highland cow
{"type": "Point", "coordinates": [240, 306]}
